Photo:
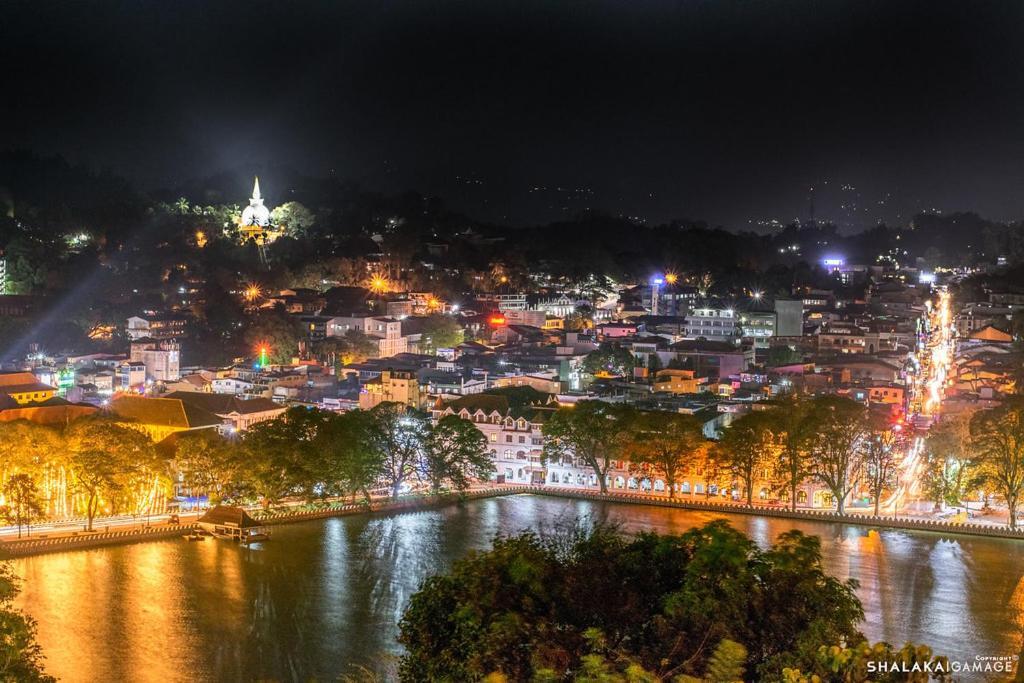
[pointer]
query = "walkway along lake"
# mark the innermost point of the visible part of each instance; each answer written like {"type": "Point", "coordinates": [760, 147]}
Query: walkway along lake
{"type": "Point", "coordinates": [327, 594]}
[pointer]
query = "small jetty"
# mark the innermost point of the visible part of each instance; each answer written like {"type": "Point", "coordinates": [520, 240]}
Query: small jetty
{"type": "Point", "coordinates": [232, 523]}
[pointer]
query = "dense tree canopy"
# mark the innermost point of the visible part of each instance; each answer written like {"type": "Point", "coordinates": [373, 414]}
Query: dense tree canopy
{"type": "Point", "coordinates": [21, 658]}
{"type": "Point", "coordinates": [534, 608]}
{"type": "Point", "coordinates": [593, 432]}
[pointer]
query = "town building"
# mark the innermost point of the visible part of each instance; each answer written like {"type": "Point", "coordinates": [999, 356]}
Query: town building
{"type": "Point", "coordinates": [161, 358]}
{"type": "Point", "coordinates": [511, 420]}
{"type": "Point", "coordinates": [24, 388]}
{"type": "Point", "coordinates": [841, 337]}
{"type": "Point", "coordinates": [392, 386]}
{"type": "Point", "coordinates": [386, 332]}
{"type": "Point", "coordinates": [677, 382]}
{"type": "Point", "coordinates": [713, 323]}
{"type": "Point", "coordinates": [237, 415]}
{"type": "Point", "coordinates": [161, 417]}
{"type": "Point", "coordinates": [789, 317]}
{"type": "Point", "coordinates": [156, 326]}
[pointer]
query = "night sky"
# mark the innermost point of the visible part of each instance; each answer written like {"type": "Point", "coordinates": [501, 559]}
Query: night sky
{"type": "Point", "coordinates": [727, 112]}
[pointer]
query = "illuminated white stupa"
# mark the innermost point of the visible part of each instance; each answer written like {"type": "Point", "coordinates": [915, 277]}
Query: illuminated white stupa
{"type": "Point", "coordinates": [255, 215]}
{"type": "Point", "coordinates": [255, 221]}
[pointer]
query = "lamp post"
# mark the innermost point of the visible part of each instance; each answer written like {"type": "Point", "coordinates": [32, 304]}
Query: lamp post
{"type": "Point", "coordinates": [896, 498]}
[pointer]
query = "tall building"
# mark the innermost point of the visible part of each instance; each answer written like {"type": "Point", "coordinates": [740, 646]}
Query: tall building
{"type": "Point", "coordinates": [712, 323]}
{"type": "Point", "coordinates": [161, 358]}
{"type": "Point", "coordinates": [758, 326]}
{"type": "Point", "coordinates": [393, 386]}
{"type": "Point", "coordinates": [789, 317]}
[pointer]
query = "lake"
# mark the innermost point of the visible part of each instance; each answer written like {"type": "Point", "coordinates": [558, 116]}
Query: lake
{"type": "Point", "coordinates": [324, 596]}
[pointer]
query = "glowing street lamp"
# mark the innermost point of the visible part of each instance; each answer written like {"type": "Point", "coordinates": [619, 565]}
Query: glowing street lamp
{"type": "Point", "coordinates": [264, 355]}
{"type": "Point", "coordinates": [671, 278]}
{"type": "Point", "coordinates": [252, 292]}
{"type": "Point", "coordinates": [378, 284]}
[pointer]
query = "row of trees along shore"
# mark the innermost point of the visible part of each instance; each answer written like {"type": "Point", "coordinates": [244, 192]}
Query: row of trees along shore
{"type": "Point", "coordinates": [97, 465]}
{"type": "Point", "coordinates": [831, 440]}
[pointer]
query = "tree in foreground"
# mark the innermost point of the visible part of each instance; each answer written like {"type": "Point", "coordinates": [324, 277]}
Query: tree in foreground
{"type": "Point", "coordinates": [951, 470]}
{"type": "Point", "coordinates": [398, 436]}
{"type": "Point", "coordinates": [455, 453]}
{"type": "Point", "coordinates": [997, 436]}
{"type": "Point", "coordinates": [746, 446]}
{"type": "Point", "coordinates": [546, 609]}
{"type": "Point", "coordinates": [101, 454]}
{"type": "Point", "coordinates": [348, 444]}
{"type": "Point", "coordinates": [595, 432]}
{"type": "Point", "coordinates": [880, 463]}
{"type": "Point", "coordinates": [21, 658]}
{"type": "Point", "coordinates": [23, 505]}
{"type": "Point", "coordinates": [836, 452]}
{"type": "Point", "coordinates": [664, 444]}
{"type": "Point", "coordinates": [279, 457]}
{"type": "Point", "coordinates": [794, 433]}
{"type": "Point", "coordinates": [204, 461]}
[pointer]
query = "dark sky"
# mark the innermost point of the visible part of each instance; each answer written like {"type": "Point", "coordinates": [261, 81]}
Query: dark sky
{"type": "Point", "coordinates": [728, 112]}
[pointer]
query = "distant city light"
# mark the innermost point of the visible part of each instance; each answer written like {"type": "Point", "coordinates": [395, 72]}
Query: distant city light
{"type": "Point", "coordinates": [926, 278]}
{"type": "Point", "coordinates": [834, 261]}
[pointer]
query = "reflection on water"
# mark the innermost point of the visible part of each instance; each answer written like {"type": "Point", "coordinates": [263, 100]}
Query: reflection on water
{"type": "Point", "coordinates": [326, 595]}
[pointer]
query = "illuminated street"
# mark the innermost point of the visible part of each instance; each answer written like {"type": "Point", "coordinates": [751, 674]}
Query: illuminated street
{"type": "Point", "coordinates": [930, 365]}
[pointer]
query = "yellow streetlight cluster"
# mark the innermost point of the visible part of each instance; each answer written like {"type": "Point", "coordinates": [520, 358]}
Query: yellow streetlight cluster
{"type": "Point", "coordinates": [378, 283]}
{"type": "Point", "coordinates": [251, 292]}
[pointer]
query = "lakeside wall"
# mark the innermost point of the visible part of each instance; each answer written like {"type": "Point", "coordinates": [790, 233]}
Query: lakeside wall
{"type": "Point", "coordinates": [769, 511]}
{"type": "Point", "coordinates": [82, 540]}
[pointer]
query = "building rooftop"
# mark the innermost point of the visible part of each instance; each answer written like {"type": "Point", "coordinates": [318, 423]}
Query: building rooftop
{"type": "Point", "coordinates": [223, 404]}
{"type": "Point", "coordinates": [223, 515]}
{"type": "Point", "coordinates": [165, 412]}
